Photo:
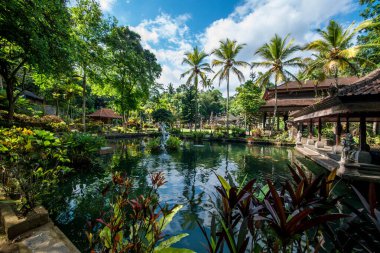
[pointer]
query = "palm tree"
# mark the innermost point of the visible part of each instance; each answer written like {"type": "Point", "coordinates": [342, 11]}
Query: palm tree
{"type": "Point", "coordinates": [226, 54]}
{"type": "Point", "coordinates": [198, 69]}
{"type": "Point", "coordinates": [276, 57]}
{"type": "Point", "coordinates": [334, 50]}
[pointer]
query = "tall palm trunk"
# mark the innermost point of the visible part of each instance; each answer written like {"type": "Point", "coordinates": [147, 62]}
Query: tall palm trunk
{"type": "Point", "coordinates": [84, 100]}
{"type": "Point", "coordinates": [275, 108]}
{"type": "Point", "coordinates": [196, 101]}
{"type": "Point", "coordinates": [228, 104]}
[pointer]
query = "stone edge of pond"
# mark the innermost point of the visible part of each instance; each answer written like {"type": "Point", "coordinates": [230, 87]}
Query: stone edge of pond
{"type": "Point", "coordinates": [129, 135]}
{"type": "Point", "coordinates": [34, 232]}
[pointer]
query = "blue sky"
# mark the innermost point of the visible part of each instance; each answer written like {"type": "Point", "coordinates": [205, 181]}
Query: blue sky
{"type": "Point", "coordinates": [169, 28]}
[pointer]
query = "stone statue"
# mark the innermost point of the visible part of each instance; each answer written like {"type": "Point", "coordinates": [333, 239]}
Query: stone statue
{"type": "Point", "coordinates": [349, 147]}
{"type": "Point", "coordinates": [299, 137]}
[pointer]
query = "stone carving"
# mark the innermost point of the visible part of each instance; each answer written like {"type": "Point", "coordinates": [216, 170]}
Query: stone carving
{"type": "Point", "coordinates": [349, 148]}
{"type": "Point", "coordinates": [299, 138]}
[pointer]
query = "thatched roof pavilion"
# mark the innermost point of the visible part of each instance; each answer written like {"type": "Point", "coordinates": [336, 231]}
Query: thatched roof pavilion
{"type": "Point", "coordinates": [105, 115]}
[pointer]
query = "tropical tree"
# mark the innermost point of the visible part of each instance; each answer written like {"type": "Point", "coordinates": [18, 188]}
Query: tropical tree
{"type": "Point", "coordinates": [131, 70]}
{"type": "Point", "coordinates": [334, 50]}
{"type": "Point", "coordinates": [248, 101]}
{"type": "Point", "coordinates": [34, 36]}
{"type": "Point", "coordinates": [226, 58]}
{"type": "Point", "coordinates": [277, 58]}
{"type": "Point", "coordinates": [88, 31]}
{"type": "Point", "coordinates": [198, 69]}
{"type": "Point", "coordinates": [370, 35]}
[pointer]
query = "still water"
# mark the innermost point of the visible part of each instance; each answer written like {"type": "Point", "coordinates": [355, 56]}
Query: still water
{"type": "Point", "coordinates": [190, 174]}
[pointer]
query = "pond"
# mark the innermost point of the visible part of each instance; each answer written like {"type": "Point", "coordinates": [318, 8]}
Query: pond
{"type": "Point", "coordinates": [190, 174]}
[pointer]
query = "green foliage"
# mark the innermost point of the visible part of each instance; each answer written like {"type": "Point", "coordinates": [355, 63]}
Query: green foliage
{"type": "Point", "coordinates": [131, 70]}
{"type": "Point", "coordinates": [35, 159]}
{"type": "Point", "coordinates": [154, 145]}
{"type": "Point", "coordinates": [283, 137]}
{"type": "Point", "coordinates": [269, 219]}
{"type": "Point", "coordinates": [248, 100]}
{"type": "Point", "coordinates": [83, 149]}
{"type": "Point", "coordinates": [162, 116]}
{"type": "Point", "coordinates": [211, 103]}
{"type": "Point", "coordinates": [226, 59]}
{"type": "Point", "coordinates": [35, 35]}
{"type": "Point", "coordinates": [238, 132]}
{"type": "Point", "coordinates": [335, 53]}
{"type": "Point", "coordinates": [134, 225]}
{"type": "Point", "coordinates": [173, 143]}
{"type": "Point", "coordinates": [197, 72]}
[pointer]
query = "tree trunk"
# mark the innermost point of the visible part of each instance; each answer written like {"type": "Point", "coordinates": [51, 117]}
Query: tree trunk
{"type": "Point", "coordinates": [56, 107]}
{"type": "Point", "coordinates": [196, 101]}
{"type": "Point", "coordinates": [84, 100]}
{"type": "Point", "coordinates": [228, 104]}
{"type": "Point", "coordinates": [11, 104]}
{"type": "Point", "coordinates": [275, 108]}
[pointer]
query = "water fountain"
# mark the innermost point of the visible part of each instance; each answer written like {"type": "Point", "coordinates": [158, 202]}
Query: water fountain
{"type": "Point", "coordinates": [164, 136]}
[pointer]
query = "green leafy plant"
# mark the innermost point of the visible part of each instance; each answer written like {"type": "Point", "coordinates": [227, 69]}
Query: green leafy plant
{"type": "Point", "coordinates": [154, 145]}
{"type": "Point", "coordinates": [34, 160]}
{"type": "Point", "coordinates": [173, 143]}
{"type": "Point", "coordinates": [83, 149]}
{"type": "Point", "coordinates": [134, 224]}
{"type": "Point", "coordinates": [254, 218]}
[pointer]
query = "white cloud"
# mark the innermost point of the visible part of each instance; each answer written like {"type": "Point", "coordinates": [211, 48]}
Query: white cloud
{"type": "Point", "coordinates": [168, 38]}
{"type": "Point", "coordinates": [106, 5]}
{"type": "Point", "coordinates": [253, 22]}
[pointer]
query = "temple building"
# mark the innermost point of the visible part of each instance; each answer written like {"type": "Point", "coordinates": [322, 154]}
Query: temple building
{"type": "Point", "coordinates": [356, 104]}
{"type": "Point", "coordinates": [294, 96]}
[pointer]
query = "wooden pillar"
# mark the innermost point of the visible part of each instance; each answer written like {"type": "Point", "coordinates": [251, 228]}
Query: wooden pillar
{"type": "Point", "coordinates": [311, 129]}
{"type": "Point", "coordinates": [286, 117]}
{"type": "Point", "coordinates": [264, 119]}
{"type": "Point", "coordinates": [363, 134]}
{"type": "Point", "coordinates": [347, 125]}
{"type": "Point", "coordinates": [319, 129]}
{"type": "Point", "coordinates": [338, 131]}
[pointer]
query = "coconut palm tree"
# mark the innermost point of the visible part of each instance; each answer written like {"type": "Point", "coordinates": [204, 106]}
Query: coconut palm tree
{"type": "Point", "coordinates": [276, 58]}
{"type": "Point", "coordinates": [226, 58]}
{"type": "Point", "coordinates": [334, 50]}
{"type": "Point", "coordinates": [198, 69]}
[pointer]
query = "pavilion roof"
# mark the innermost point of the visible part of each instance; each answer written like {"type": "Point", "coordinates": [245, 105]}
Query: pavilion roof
{"type": "Point", "coordinates": [105, 113]}
{"type": "Point", "coordinates": [367, 85]}
{"type": "Point", "coordinates": [362, 96]}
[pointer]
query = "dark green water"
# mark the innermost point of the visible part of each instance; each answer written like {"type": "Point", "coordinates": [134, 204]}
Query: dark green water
{"type": "Point", "coordinates": [191, 179]}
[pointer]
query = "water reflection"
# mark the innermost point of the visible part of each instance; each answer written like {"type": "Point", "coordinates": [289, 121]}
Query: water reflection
{"type": "Point", "coordinates": [191, 175]}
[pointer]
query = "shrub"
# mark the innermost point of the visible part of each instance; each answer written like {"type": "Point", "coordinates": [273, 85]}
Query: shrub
{"type": "Point", "coordinates": [134, 225]}
{"type": "Point", "coordinates": [283, 137]}
{"type": "Point", "coordinates": [154, 145]}
{"type": "Point", "coordinates": [33, 160]}
{"type": "Point", "coordinates": [83, 149]}
{"type": "Point", "coordinates": [238, 132]}
{"type": "Point", "coordinates": [256, 218]}
{"type": "Point", "coordinates": [257, 132]}
{"type": "Point", "coordinates": [163, 115]}
{"type": "Point", "coordinates": [173, 143]}
{"type": "Point", "coordinates": [175, 131]}
{"type": "Point", "coordinates": [197, 135]}
{"type": "Point", "coordinates": [51, 119]}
